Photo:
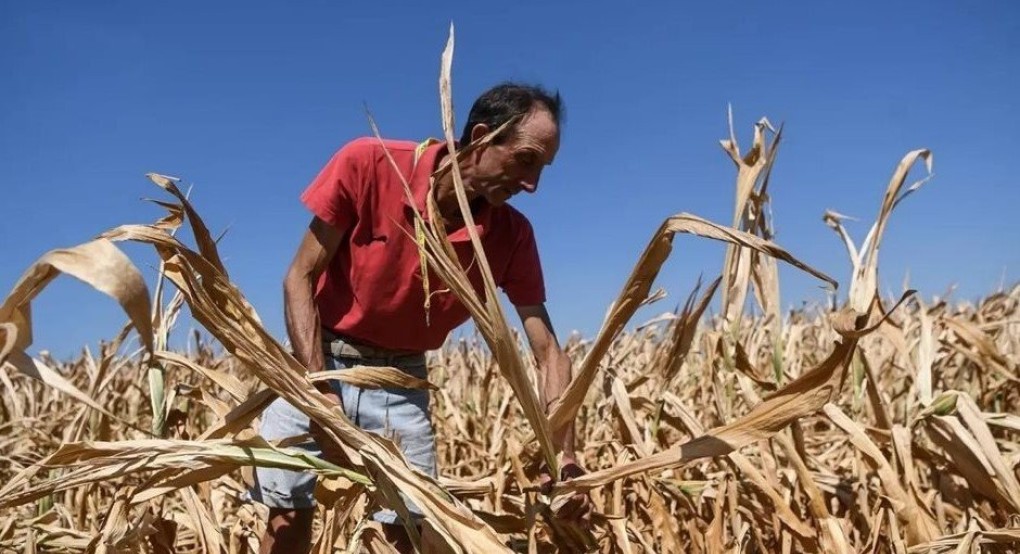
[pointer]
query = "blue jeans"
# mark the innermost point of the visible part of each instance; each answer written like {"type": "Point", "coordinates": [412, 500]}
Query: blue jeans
{"type": "Point", "coordinates": [401, 415]}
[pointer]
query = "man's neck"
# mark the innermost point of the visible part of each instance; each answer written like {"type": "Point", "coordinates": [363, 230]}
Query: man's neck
{"type": "Point", "coordinates": [446, 195]}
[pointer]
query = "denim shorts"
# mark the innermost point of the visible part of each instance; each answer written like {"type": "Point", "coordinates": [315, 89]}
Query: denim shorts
{"type": "Point", "coordinates": [402, 415]}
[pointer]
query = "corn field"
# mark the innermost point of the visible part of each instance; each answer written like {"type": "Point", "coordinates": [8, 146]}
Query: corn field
{"type": "Point", "coordinates": [869, 425]}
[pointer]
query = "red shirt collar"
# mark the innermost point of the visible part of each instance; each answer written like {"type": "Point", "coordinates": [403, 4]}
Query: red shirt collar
{"type": "Point", "coordinates": [420, 185]}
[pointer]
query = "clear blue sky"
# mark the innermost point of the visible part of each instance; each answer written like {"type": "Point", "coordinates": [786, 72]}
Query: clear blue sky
{"type": "Point", "coordinates": [247, 101]}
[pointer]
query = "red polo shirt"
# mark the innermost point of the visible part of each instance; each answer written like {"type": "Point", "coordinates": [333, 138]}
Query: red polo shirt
{"type": "Point", "coordinates": [372, 290]}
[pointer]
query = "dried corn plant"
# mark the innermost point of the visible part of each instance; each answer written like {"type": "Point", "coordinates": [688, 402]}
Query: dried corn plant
{"type": "Point", "coordinates": [700, 434]}
{"type": "Point", "coordinates": [752, 213]}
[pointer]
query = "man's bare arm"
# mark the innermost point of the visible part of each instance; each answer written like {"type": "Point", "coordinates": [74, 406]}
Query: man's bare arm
{"type": "Point", "coordinates": [553, 366]}
{"type": "Point", "coordinates": [317, 247]}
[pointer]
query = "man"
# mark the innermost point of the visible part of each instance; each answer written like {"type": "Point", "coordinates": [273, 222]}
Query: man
{"type": "Point", "coordinates": [354, 294]}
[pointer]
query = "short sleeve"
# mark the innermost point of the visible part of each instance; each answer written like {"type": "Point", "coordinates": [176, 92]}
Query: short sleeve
{"type": "Point", "coordinates": [523, 283]}
{"type": "Point", "coordinates": [332, 195]}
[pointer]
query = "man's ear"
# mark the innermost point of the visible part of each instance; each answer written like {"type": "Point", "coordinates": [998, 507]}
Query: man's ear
{"type": "Point", "coordinates": [479, 131]}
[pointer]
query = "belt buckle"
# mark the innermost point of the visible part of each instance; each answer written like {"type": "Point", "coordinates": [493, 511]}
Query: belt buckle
{"type": "Point", "coordinates": [344, 347]}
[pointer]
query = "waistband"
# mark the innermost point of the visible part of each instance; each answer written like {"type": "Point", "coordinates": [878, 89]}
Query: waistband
{"type": "Point", "coordinates": [343, 347]}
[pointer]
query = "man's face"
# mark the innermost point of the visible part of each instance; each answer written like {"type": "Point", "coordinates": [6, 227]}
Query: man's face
{"type": "Point", "coordinates": [506, 169]}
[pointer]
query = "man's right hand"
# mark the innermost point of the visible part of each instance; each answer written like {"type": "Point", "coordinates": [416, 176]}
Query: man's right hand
{"type": "Point", "coordinates": [331, 451]}
{"type": "Point", "coordinates": [318, 245]}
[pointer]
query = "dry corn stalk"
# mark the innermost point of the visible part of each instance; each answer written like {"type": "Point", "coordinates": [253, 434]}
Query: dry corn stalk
{"type": "Point", "coordinates": [743, 266]}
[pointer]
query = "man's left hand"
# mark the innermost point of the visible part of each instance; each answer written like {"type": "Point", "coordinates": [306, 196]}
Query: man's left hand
{"type": "Point", "coordinates": [579, 507]}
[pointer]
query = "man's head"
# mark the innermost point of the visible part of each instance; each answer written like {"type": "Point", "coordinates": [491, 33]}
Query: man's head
{"type": "Point", "coordinates": [514, 160]}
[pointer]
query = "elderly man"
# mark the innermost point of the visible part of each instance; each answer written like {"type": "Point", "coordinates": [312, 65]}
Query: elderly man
{"type": "Point", "coordinates": [354, 293]}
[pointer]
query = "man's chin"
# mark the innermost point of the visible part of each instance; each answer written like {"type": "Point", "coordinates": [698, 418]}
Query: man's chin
{"type": "Point", "coordinates": [497, 200]}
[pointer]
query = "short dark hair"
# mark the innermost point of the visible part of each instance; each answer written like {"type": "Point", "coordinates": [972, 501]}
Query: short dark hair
{"type": "Point", "coordinates": [507, 100]}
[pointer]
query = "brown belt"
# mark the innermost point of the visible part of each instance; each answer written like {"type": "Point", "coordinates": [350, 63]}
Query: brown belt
{"type": "Point", "coordinates": [343, 347]}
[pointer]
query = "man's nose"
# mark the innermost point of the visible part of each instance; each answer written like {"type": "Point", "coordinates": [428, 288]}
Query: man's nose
{"type": "Point", "coordinates": [529, 183]}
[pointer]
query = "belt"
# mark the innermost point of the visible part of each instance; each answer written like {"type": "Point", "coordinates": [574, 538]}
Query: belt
{"type": "Point", "coordinates": [343, 347]}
